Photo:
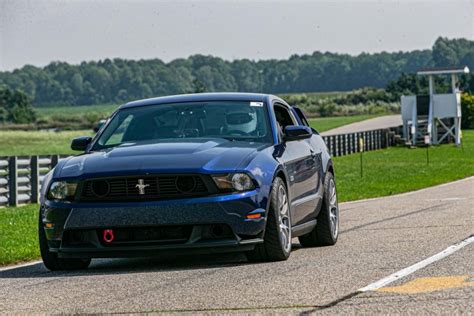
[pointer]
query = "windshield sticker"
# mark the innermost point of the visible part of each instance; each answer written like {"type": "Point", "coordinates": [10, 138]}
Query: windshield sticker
{"type": "Point", "coordinates": [259, 104]}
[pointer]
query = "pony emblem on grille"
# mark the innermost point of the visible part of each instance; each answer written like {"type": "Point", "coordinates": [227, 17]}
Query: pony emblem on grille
{"type": "Point", "coordinates": [141, 186]}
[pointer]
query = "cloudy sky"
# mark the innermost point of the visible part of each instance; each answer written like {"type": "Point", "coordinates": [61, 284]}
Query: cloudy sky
{"type": "Point", "coordinates": [40, 31]}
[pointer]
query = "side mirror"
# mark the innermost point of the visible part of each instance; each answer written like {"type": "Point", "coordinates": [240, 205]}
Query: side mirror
{"type": "Point", "coordinates": [80, 143]}
{"type": "Point", "coordinates": [296, 132]}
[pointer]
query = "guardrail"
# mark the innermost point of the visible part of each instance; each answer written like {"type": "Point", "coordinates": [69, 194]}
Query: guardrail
{"type": "Point", "coordinates": [21, 176]}
{"type": "Point", "coordinates": [346, 144]}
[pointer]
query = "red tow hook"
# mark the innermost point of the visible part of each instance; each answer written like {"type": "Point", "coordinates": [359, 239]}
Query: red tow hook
{"type": "Point", "coordinates": [108, 236]}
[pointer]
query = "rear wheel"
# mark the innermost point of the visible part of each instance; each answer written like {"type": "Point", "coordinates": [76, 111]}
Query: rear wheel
{"type": "Point", "coordinates": [326, 231]}
{"type": "Point", "coordinates": [51, 260]}
{"type": "Point", "coordinates": [277, 240]}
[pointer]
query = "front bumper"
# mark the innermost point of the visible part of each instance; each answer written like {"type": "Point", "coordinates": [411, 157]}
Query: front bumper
{"type": "Point", "coordinates": [198, 216]}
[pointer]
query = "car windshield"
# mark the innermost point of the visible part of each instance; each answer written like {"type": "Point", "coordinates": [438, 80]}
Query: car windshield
{"type": "Point", "coordinates": [232, 120]}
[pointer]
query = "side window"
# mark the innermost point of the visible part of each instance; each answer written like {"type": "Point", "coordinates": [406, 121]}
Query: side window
{"type": "Point", "coordinates": [283, 117]}
{"type": "Point", "coordinates": [301, 116]}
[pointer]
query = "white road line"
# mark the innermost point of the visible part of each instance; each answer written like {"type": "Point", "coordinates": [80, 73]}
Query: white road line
{"type": "Point", "coordinates": [448, 199]}
{"type": "Point", "coordinates": [417, 266]}
{"type": "Point", "coordinates": [20, 265]}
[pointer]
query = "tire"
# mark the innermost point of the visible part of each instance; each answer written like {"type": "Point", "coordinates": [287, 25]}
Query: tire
{"type": "Point", "coordinates": [51, 260]}
{"type": "Point", "coordinates": [327, 228]}
{"type": "Point", "coordinates": [277, 240]}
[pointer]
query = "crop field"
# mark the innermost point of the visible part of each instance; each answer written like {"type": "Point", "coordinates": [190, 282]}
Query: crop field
{"type": "Point", "coordinates": [73, 111]}
{"type": "Point", "coordinates": [386, 172]}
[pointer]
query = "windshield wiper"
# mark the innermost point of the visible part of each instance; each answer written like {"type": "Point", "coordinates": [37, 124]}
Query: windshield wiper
{"type": "Point", "coordinates": [229, 138]}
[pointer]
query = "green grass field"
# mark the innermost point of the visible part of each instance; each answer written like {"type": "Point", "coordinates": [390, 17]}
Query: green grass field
{"type": "Point", "coordinates": [18, 143]}
{"type": "Point", "coordinates": [400, 169]}
{"type": "Point", "coordinates": [323, 124]}
{"type": "Point", "coordinates": [386, 172]}
{"type": "Point", "coordinates": [71, 111]}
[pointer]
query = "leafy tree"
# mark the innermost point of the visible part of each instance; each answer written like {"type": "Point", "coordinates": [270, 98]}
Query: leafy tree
{"type": "Point", "coordinates": [119, 80]}
{"type": "Point", "coordinates": [15, 107]}
{"type": "Point", "coordinates": [199, 87]}
{"type": "Point", "coordinates": [467, 111]}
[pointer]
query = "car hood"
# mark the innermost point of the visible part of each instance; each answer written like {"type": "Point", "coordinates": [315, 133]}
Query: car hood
{"type": "Point", "coordinates": [164, 157]}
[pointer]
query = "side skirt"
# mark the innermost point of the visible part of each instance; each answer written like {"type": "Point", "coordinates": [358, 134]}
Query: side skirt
{"type": "Point", "coordinates": [304, 228]}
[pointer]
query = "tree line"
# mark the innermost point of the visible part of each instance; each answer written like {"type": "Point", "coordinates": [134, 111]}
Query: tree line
{"type": "Point", "coordinates": [119, 80]}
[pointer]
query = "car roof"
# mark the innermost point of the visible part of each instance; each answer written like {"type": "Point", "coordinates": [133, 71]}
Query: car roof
{"type": "Point", "coordinates": [201, 97]}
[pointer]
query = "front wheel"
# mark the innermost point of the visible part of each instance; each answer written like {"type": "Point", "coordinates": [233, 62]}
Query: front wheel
{"type": "Point", "coordinates": [51, 260]}
{"type": "Point", "coordinates": [326, 231]}
{"type": "Point", "coordinates": [277, 240]}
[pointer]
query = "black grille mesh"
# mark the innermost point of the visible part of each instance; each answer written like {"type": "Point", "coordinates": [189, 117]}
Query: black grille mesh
{"type": "Point", "coordinates": [154, 188]}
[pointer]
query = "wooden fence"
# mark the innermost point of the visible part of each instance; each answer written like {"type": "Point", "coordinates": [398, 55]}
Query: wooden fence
{"type": "Point", "coordinates": [21, 176]}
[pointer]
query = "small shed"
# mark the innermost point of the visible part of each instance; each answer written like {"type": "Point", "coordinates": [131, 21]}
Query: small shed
{"type": "Point", "coordinates": [434, 117]}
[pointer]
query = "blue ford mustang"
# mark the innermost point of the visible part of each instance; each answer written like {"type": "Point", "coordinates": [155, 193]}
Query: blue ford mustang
{"type": "Point", "coordinates": [191, 173]}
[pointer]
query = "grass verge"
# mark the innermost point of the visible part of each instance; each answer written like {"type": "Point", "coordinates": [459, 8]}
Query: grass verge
{"type": "Point", "coordinates": [400, 169]}
{"type": "Point", "coordinates": [386, 172]}
{"type": "Point", "coordinates": [18, 234]}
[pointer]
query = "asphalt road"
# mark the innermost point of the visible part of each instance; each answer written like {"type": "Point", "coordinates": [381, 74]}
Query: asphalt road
{"type": "Point", "coordinates": [378, 237]}
{"type": "Point", "coordinates": [367, 125]}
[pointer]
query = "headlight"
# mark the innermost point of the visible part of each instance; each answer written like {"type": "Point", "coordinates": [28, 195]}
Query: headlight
{"type": "Point", "coordinates": [234, 181]}
{"type": "Point", "coordinates": [62, 190]}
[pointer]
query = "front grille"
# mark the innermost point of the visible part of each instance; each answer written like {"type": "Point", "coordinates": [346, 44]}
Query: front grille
{"type": "Point", "coordinates": [145, 188]}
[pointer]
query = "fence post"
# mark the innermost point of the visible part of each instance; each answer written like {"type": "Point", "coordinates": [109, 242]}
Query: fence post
{"type": "Point", "coordinates": [339, 149]}
{"type": "Point", "coordinates": [376, 139]}
{"type": "Point", "coordinates": [12, 181]}
{"type": "Point", "coordinates": [34, 179]}
{"type": "Point", "coordinates": [371, 142]}
{"type": "Point", "coordinates": [343, 144]}
{"type": "Point", "coordinates": [54, 160]}
{"type": "Point", "coordinates": [354, 142]}
{"type": "Point", "coordinates": [357, 141]}
{"type": "Point", "coordinates": [382, 138]}
{"type": "Point", "coordinates": [379, 140]}
{"type": "Point", "coordinates": [377, 136]}
{"type": "Point", "coordinates": [333, 146]}
{"type": "Point", "coordinates": [346, 144]}
{"type": "Point", "coordinates": [366, 141]}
